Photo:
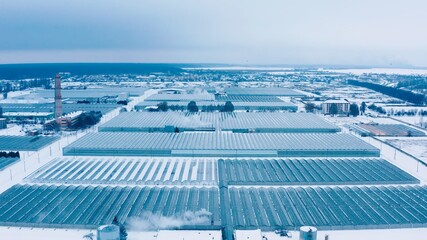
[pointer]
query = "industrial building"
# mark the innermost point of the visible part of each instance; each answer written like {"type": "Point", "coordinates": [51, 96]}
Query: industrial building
{"type": "Point", "coordinates": [180, 97]}
{"type": "Point", "coordinates": [3, 123]}
{"type": "Point", "coordinates": [394, 130]}
{"type": "Point", "coordinates": [92, 95]}
{"type": "Point", "coordinates": [37, 117]}
{"type": "Point", "coordinates": [89, 207]}
{"type": "Point", "coordinates": [138, 171]}
{"type": "Point", "coordinates": [238, 106]}
{"type": "Point", "coordinates": [25, 143]}
{"type": "Point", "coordinates": [204, 171]}
{"type": "Point", "coordinates": [220, 144]}
{"type": "Point", "coordinates": [222, 172]}
{"type": "Point", "coordinates": [282, 92]}
{"type": "Point", "coordinates": [342, 107]}
{"type": "Point", "coordinates": [66, 107]}
{"type": "Point", "coordinates": [214, 121]}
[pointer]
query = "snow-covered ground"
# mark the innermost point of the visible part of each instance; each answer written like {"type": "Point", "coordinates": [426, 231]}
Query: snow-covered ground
{"type": "Point", "coordinates": [416, 146]}
{"type": "Point", "coordinates": [15, 233]}
{"type": "Point", "coordinates": [12, 130]}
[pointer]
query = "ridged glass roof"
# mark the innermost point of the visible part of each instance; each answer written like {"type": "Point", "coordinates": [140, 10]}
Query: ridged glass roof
{"type": "Point", "coordinates": [258, 121]}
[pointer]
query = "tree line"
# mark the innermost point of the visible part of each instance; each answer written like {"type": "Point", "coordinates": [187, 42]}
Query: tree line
{"type": "Point", "coordinates": [192, 107]}
{"type": "Point", "coordinates": [9, 154]}
{"type": "Point", "coordinates": [404, 95]}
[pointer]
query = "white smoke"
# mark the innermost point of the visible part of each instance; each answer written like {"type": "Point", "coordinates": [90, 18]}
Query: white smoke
{"type": "Point", "coordinates": [194, 120]}
{"type": "Point", "coordinates": [149, 221]}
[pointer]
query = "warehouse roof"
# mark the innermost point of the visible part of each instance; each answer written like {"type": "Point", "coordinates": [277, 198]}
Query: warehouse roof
{"type": "Point", "coordinates": [25, 143]}
{"type": "Point", "coordinates": [238, 121]}
{"type": "Point", "coordinates": [181, 97]}
{"type": "Point", "coordinates": [49, 107]}
{"type": "Point", "coordinates": [264, 91]}
{"type": "Point", "coordinates": [220, 144]}
{"type": "Point", "coordinates": [215, 103]}
{"type": "Point", "coordinates": [247, 98]}
{"type": "Point", "coordinates": [309, 171]}
{"type": "Point", "coordinates": [141, 171]}
{"type": "Point", "coordinates": [91, 92]}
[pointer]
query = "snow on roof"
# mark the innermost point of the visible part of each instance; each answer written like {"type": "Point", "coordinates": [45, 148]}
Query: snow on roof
{"type": "Point", "coordinates": [220, 144]}
{"type": "Point", "coordinates": [27, 114]}
{"type": "Point", "coordinates": [260, 121]}
{"type": "Point", "coordinates": [247, 234]}
{"type": "Point", "coordinates": [336, 101]}
{"type": "Point", "coordinates": [189, 235]}
{"type": "Point", "coordinates": [25, 143]}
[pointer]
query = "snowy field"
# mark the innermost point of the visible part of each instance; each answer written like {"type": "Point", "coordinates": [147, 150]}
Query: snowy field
{"type": "Point", "coordinates": [416, 146]}
{"type": "Point", "coordinates": [14, 233]}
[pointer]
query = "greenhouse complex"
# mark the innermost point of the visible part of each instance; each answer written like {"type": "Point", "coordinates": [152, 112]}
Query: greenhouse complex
{"type": "Point", "coordinates": [210, 121]}
{"type": "Point", "coordinates": [239, 171]}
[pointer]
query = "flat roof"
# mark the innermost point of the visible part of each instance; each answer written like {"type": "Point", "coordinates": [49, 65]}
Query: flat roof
{"type": "Point", "coordinates": [220, 144]}
{"type": "Point", "coordinates": [25, 143]}
{"type": "Point", "coordinates": [28, 114]}
{"type": "Point", "coordinates": [92, 206]}
{"type": "Point", "coordinates": [236, 121]}
{"type": "Point", "coordinates": [66, 107]}
{"type": "Point", "coordinates": [122, 170]}
{"type": "Point", "coordinates": [247, 98]}
{"type": "Point", "coordinates": [215, 103]}
{"type": "Point", "coordinates": [284, 92]}
{"type": "Point", "coordinates": [181, 97]}
{"type": "Point", "coordinates": [205, 171]}
{"type": "Point", "coordinates": [91, 92]}
{"type": "Point", "coordinates": [312, 171]}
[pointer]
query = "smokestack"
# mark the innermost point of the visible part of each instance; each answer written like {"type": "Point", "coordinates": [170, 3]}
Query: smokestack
{"type": "Point", "coordinates": [58, 97]}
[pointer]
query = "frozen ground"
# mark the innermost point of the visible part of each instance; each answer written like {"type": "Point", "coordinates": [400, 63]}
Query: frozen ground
{"type": "Point", "coordinates": [12, 130]}
{"type": "Point", "coordinates": [416, 146]}
{"type": "Point", "coordinates": [14, 233]}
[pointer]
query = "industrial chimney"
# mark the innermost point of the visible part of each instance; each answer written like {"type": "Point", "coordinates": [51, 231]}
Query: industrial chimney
{"type": "Point", "coordinates": [58, 97]}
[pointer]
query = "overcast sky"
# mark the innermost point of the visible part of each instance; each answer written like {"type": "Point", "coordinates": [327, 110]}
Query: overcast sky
{"type": "Point", "coordinates": [350, 32]}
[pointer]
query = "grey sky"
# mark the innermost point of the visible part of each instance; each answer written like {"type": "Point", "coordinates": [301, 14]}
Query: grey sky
{"type": "Point", "coordinates": [351, 32]}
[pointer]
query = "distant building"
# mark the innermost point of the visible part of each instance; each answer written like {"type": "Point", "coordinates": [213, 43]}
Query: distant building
{"type": "Point", "coordinates": [123, 96]}
{"type": "Point", "coordinates": [28, 116]}
{"type": "Point", "coordinates": [58, 97]}
{"type": "Point", "coordinates": [69, 120]}
{"type": "Point", "coordinates": [343, 107]}
{"type": "Point", "coordinates": [3, 123]}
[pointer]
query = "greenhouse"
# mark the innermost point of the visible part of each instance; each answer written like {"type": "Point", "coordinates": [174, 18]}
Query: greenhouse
{"type": "Point", "coordinates": [137, 171]}
{"type": "Point", "coordinates": [25, 143]}
{"type": "Point", "coordinates": [238, 106]}
{"type": "Point", "coordinates": [284, 92]}
{"type": "Point", "coordinates": [353, 171]}
{"type": "Point", "coordinates": [7, 161]}
{"type": "Point", "coordinates": [180, 97]}
{"type": "Point", "coordinates": [395, 130]}
{"type": "Point", "coordinates": [66, 107]}
{"type": "Point", "coordinates": [204, 172]}
{"type": "Point", "coordinates": [246, 98]}
{"type": "Point", "coordinates": [209, 121]}
{"type": "Point", "coordinates": [267, 208]}
{"type": "Point", "coordinates": [328, 208]}
{"type": "Point", "coordinates": [221, 144]}
{"type": "Point", "coordinates": [88, 206]}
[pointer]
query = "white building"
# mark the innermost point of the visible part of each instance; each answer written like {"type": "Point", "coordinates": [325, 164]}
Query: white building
{"type": "Point", "coordinates": [343, 107]}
